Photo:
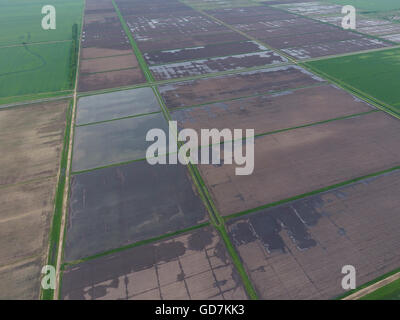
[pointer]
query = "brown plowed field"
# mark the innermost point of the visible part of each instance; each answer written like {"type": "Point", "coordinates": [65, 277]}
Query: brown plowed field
{"type": "Point", "coordinates": [234, 86]}
{"type": "Point", "coordinates": [302, 160]}
{"type": "Point", "coordinates": [273, 112]}
{"type": "Point", "coordinates": [297, 250]}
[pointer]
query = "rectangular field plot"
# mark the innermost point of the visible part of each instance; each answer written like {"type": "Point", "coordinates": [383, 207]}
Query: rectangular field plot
{"type": "Point", "coordinates": [297, 250]}
{"type": "Point", "coordinates": [201, 52]}
{"type": "Point", "coordinates": [114, 105]}
{"type": "Point", "coordinates": [298, 161]}
{"type": "Point", "coordinates": [39, 68]}
{"type": "Point", "coordinates": [297, 36]}
{"type": "Point", "coordinates": [113, 142]}
{"type": "Point", "coordinates": [195, 265]}
{"type": "Point", "coordinates": [374, 73]}
{"type": "Point", "coordinates": [381, 30]}
{"type": "Point", "coordinates": [202, 91]}
{"type": "Point", "coordinates": [333, 48]}
{"type": "Point", "coordinates": [110, 79]}
{"type": "Point", "coordinates": [213, 65]}
{"type": "Point", "coordinates": [116, 206]}
{"type": "Point", "coordinates": [108, 64]}
{"type": "Point", "coordinates": [269, 113]}
{"type": "Point", "coordinates": [33, 137]}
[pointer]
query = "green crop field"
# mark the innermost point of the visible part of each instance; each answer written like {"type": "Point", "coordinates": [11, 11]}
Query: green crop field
{"type": "Point", "coordinates": [388, 292]}
{"type": "Point", "coordinates": [375, 74]}
{"type": "Point", "coordinates": [369, 5]}
{"type": "Point", "coordinates": [21, 20]}
{"type": "Point", "coordinates": [34, 69]}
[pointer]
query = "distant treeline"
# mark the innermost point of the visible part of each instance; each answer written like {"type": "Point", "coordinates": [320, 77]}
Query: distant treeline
{"type": "Point", "coordinates": [73, 63]}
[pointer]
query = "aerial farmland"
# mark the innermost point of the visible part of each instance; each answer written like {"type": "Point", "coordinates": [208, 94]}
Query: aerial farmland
{"type": "Point", "coordinates": [88, 209]}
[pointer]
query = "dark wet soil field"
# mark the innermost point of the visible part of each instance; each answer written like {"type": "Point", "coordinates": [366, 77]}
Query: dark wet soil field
{"type": "Point", "coordinates": [116, 206]}
{"type": "Point", "coordinates": [297, 250]}
{"type": "Point", "coordinates": [213, 65]}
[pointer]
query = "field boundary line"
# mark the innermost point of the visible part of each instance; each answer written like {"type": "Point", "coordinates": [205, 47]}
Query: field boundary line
{"type": "Point", "coordinates": [348, 54]}
{"type": "Point", "coordinates": [35, 43]}
{"type": "Point", "coordinates": [135, 48]}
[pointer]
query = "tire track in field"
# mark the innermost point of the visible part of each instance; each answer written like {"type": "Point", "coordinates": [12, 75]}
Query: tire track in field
{"type": "Point", "coordinates": [42, 60]}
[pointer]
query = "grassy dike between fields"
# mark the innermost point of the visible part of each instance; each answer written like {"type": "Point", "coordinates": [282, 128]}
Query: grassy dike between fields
{"type": "Point", "coordinates": [139, 56]}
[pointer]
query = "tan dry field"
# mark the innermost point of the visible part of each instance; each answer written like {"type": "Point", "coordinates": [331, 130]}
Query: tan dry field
{"type": "Point", "coordinates": [273, 112]}
{"type": "Point", "coordinates": [108, 64]}
{"type": "Point", "coordinates": [25, 214]}
{"type": "Point", "coordinates": [201, 91]}
{"type": "Point", "coordinates": [302, 160]}
{"type": "Point", "coordinates": [32, 136]}
{"type": "Point", "coordinates": [195, 265]}
{"type": "Point", "coordinates": [353, 225]}
{"type": "Point", "coordinates": [110, 79]}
